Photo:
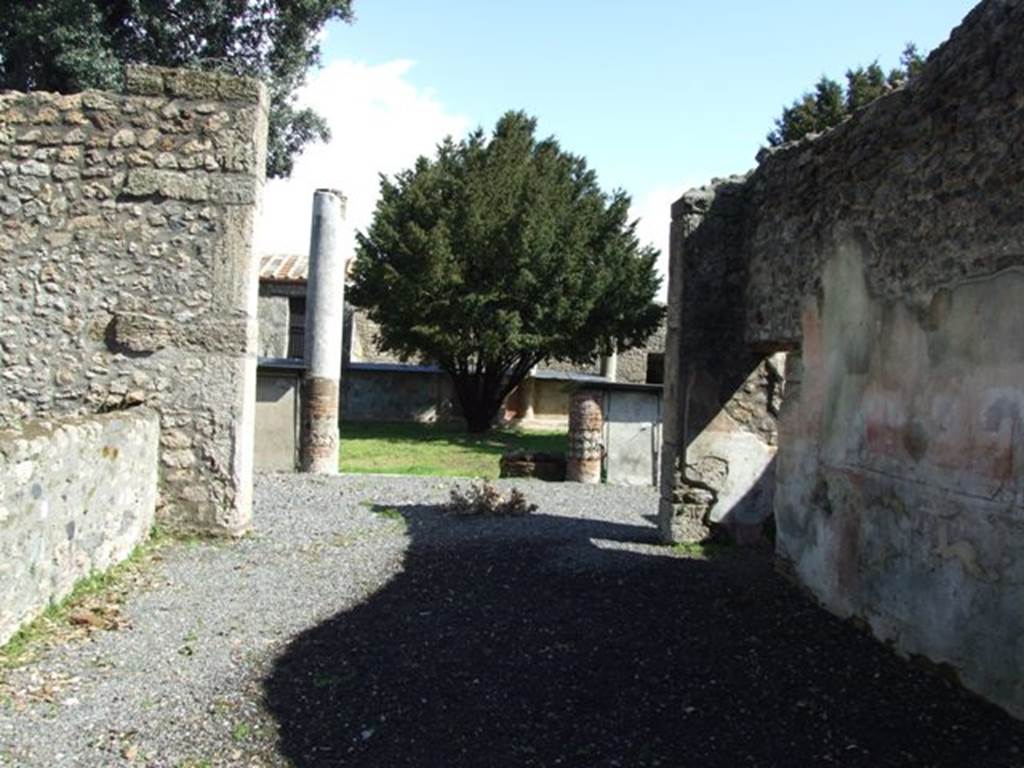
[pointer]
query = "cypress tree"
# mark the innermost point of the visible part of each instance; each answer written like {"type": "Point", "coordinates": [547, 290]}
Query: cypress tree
{"type": "Point", "coordinates": [500, 253]}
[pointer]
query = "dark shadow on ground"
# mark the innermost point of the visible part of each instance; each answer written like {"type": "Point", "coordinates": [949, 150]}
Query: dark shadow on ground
{"type": "Point", "coordinates": [545, 650]}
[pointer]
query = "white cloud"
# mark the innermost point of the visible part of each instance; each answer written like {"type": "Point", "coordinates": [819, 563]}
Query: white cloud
{"type": "Point", "coordinates": [380, 123]}
{"type": "Point", "coordinates": [654, 209]}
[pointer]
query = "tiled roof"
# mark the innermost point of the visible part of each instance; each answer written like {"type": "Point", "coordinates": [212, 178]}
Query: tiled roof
{"type": "Point", "coordinates": [284, 268]}
{"type": "Point", "coordinates": [290, 268]}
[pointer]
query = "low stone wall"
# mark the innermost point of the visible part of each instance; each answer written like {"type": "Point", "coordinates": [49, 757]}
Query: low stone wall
{"type": "Point", "coordinates": [76, 497]}
{"type": "Point", "coordinates": [393, 394]}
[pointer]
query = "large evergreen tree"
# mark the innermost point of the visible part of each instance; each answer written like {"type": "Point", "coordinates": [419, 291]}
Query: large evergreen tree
{"type": "Point", "coordinates": [69, 45]}
{"type": "Point", "coordinates": [500, 253]}
{"type": "Point", "coordinates": [828, 105]}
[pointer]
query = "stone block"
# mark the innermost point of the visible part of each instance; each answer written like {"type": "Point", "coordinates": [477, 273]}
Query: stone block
{"type": "Point", "coordinates": [35, 168]}
{"type": "Point", "coordinates": [192, 84]}
{"type": "Point", "coordinates": [97, 101]}
{"type": "Point", "coordinates": [123, 138]}
{"type": "Point", "coordinates": [234, 189]}
{"type": "Point", "coordinates": [145, 81]}
{"type": "Point", "coordinates": [542, 466]}
{"type": "Point", "coordinates": [140, 333]}
{"type": "Point", "coordinates": [146, 182]}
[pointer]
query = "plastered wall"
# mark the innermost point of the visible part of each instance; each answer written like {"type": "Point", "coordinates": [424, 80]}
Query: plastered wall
{"type": "Point", "coordinates": [75, 498]}
{"type": "Point", "coordinates": [886, 258]}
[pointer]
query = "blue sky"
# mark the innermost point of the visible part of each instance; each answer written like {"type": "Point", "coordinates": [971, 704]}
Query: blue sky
{"type": "Point", "coordinates": [658, 95]}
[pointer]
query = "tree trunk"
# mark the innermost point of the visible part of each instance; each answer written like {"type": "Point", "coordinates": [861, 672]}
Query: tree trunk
{"type": "Point", "coordinates": [481, 396]}
{"type": "Point", "coordinates": [479, 413]}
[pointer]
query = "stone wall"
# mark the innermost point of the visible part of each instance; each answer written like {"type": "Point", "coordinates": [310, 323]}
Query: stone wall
{"type": "Point", "coordinates": [723, 432]}
{"type": "Point", "coordinates": [126, 275]}
{"type": "Point", "coordinates": [381, 392]}
{"type": "Point", "coordinates": [632, 364]}
{"type": "Point", "coordinates": [361, 335]}
{"type": "Point", "coordinates": [75, 497]}
{"type": "Point", "coordinates": [561, 366]}
{"type": "Point", "coordinates": [925, 182]}
{"type": "Point", "coordinates": [887, 257]}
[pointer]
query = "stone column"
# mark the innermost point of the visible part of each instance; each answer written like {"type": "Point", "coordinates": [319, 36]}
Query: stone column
{"type": "Point", "coordinates": [586, 449]}
{"type": "Point", "coordinates": [610, 366]}
{"type": "Point", "coordinates": [527, 393]}
{"type": "Point", "coordinates": [673, 406]}
{"type": "Point", "coordinates": [325, 321]}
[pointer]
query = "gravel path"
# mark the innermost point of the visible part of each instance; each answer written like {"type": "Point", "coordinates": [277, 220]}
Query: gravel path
{"type": "Point", "coordinates": [360, 626]}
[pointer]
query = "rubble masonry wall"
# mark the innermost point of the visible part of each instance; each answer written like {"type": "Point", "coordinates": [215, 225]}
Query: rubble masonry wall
{"type": "Point", "coordinates": [126, 276]}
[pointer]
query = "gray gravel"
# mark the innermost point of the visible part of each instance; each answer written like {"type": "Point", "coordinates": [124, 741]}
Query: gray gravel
{"type": "Point", "coordinates": [182, 684]}
{"type": "Point", "coordinates": [360, 626]}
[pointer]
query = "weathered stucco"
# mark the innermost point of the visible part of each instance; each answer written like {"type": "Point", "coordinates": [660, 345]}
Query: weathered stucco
{"type": "Point", "coordinates": [126, 275]}
{"type": "Point", "coordinates": [887, 258]}
{"type": "Point", "coordinates": [901, 478]}
{"type": "Point", "coordinates": [273, 319]}
{"type": "Point", "coordinates": [633, 364]}
{"type": "Point", "coordinates": [75, 497]}
{"type": "Point", "coordinates": [278, 417]}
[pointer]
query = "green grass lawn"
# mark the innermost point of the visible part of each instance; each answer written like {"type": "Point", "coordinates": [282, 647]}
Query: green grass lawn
{"type": "Point", "coordinates": [442, 450]}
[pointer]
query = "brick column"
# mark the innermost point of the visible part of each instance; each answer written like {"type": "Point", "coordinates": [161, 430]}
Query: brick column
{"type": "Point", "coordinates": [586, 423]}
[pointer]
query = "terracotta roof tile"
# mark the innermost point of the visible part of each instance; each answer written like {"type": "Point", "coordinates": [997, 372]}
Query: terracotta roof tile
{"type": "Point", "coordinates": [284, 268]}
